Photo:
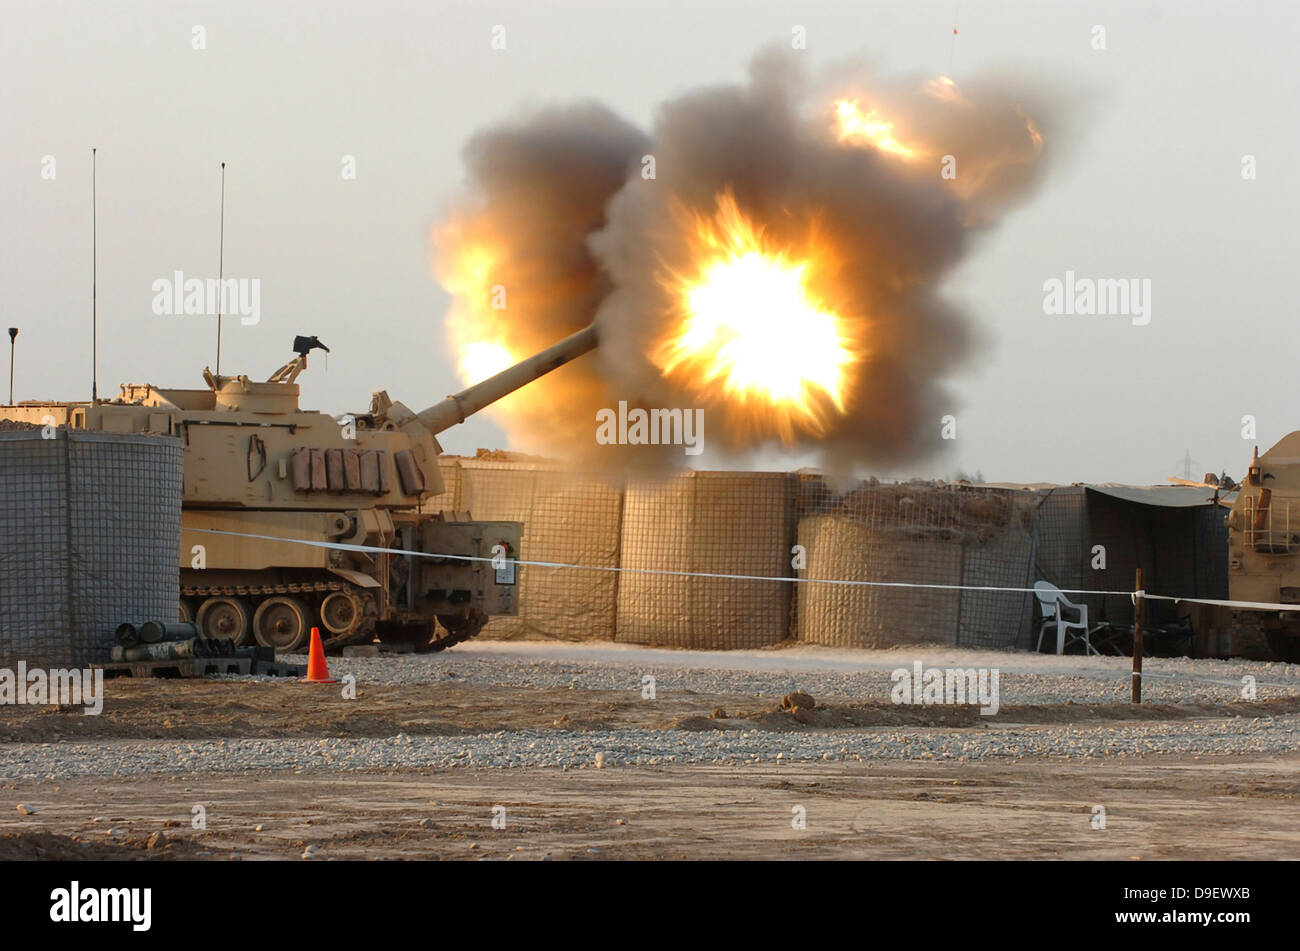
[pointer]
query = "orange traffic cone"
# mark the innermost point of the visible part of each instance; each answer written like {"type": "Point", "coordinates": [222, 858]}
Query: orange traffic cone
{"type": "Point", "coordinates": [318, 671]}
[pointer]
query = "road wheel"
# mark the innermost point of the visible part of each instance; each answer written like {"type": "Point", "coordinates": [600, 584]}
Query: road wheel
{"type": "Point", "coordinates": [223, 617]}
{"type": "Point", "coordinates": [186, 612]}
{"type": "Point", "coordinates": [340, 613]}
{"type": "Point", "coordinates": [281, 623]}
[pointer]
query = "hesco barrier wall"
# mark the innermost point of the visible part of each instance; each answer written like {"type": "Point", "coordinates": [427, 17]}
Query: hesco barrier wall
{"type": "Point", "coordinates": [90, 532]}
{"type": "Point", "coordinates": [738, 523]}
{"type": "Point", "coordinates": [916, 534]}
{"type": "Point", "coordinates": [744, 523]}
{"type": "Point", "coordinates": [568, 517]}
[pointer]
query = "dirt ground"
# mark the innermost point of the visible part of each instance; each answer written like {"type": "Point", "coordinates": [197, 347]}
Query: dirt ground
{"type": "Point", "coordinates": [1156, 807]}
{"type": "Point", "coordinates": [1159, 808]}
{"type": "Point", "coordinates": [207, 709]}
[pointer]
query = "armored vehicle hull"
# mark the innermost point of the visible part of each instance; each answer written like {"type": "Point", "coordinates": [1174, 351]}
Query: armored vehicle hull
{"type": "Point", "coordinates": [1264, 552]}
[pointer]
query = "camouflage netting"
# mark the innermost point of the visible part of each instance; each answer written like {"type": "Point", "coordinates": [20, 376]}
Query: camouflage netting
{"type": "Point", "coordinates": [914, 533]}
{"type": "Point", "coordinates": [735, 523]}
{"type": "Point", "coordinates": [1062, 527]}
{"type": "Point", "coordinates": [89, 536]}
{"type": "Point", "coordinates": [997, 619]}
{"type": "Point", "coordinates": [568, 517]}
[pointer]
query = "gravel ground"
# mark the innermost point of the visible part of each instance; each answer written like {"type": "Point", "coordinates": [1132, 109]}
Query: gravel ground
{"type": "Point", "coordinates": [609, 749]}
{"type": "Point", "coordinates": [831, 675]}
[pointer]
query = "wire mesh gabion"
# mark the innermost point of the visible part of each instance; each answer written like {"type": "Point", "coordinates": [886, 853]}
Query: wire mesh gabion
{"type": "Point", "coordinates": [900, 539]}
{"type": "Point", "coordinates": [924, 549]}
{"type": "Point", "coordinates": [568, 517]}
{"type": "Point", "coordinates": [726, 523]}
{"type": "Point", "coordinates": [90, 528]}
{"type": "Point", "coordinates": [90, 531]}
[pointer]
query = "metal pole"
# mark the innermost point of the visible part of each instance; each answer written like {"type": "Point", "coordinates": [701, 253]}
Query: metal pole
{"type": "Point", "coordinates": [13, 334]}
{"type": "Point", "coordinates": [94, 284]}
{"type": "Point", "coordinates": [1137, 639]}
{"type": "Point", "coordinates": [221, 266]}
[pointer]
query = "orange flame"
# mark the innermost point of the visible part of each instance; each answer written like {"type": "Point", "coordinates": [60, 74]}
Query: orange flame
{"type": "Point", "coordinates": [856, 127]}
{"type": "Point", "coordinates": [752, 330]}
{"type": "Point", "coordinates": [477, 330]}
{"type": "Point", "coordinates": [942, 87]}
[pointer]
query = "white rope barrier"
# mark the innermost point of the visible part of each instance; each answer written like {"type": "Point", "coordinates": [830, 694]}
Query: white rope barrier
{"type": "Point", "coordinates": [367, 549]}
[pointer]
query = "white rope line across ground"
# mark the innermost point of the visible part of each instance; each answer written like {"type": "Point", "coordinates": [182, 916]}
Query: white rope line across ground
{"type": "Point", "coordinates": [835, 581]}
{"type": "Point", "coordinates": [368, 549]}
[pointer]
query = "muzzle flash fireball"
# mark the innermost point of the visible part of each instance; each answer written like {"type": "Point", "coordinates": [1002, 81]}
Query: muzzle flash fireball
{"type": "Point", "coordinates": [753, 330]}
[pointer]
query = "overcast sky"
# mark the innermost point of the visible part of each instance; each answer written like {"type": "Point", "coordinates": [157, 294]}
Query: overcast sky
{"type": "Point", "coordinates": [1148, 184]}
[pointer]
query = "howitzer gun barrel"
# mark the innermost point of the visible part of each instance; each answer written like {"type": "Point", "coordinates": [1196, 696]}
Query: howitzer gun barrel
{"type": "Point", "coordinates": [456, 409]}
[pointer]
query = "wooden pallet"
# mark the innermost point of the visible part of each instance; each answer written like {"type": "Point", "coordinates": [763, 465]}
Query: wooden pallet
{"type": "Point", "coordinates": [201, 667]}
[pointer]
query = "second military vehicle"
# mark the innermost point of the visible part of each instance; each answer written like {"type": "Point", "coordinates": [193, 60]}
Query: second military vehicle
{"type": "Point", "coordinates": [1264, 550]}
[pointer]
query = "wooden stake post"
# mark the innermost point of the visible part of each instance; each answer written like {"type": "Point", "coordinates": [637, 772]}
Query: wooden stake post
{"type": "Point", "coordinates": [1137, 640]}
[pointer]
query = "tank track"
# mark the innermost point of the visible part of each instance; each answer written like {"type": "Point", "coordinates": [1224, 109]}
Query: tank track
{"type": "Point", "coordinates": [242, 590]}
{"type": "Point", "coordinates": [448, 632]}
{"type": "Point", "coordinates": [459, 629]}
{"type": "Point", "coordinates": [364, 634]}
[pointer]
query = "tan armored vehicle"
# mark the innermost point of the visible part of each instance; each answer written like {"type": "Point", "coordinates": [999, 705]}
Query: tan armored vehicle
{"type": "Point", "coordinates": [1264, 549]}
{"type": "Point", "coordinates": [257, 465]}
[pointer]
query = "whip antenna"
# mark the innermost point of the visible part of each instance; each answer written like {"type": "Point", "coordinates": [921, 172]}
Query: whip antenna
{"type": "Point", "coordinates": [221, 266]}
{"type": "Point", "coordinates": [13, 335]}
{"type": "Point", "coordinates": [94, 287]}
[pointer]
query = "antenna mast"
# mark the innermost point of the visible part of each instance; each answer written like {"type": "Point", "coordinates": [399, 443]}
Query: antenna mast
{"type": "Point", "coordinates": [94, 285]}
{"type": "Point", "coordinates": [221, 267]}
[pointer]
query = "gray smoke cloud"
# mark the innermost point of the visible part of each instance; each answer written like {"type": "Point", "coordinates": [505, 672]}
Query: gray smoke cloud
{"type": "Point", "coordinates": [578, 232]}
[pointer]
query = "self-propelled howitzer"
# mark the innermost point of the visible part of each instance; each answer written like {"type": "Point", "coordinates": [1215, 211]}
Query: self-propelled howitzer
{"type": "Point", "coordinates": [279, 504]}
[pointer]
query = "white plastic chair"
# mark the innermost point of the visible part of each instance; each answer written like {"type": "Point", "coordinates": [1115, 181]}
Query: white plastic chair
{"type": "Point", "coordinates": [1055, 606]}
